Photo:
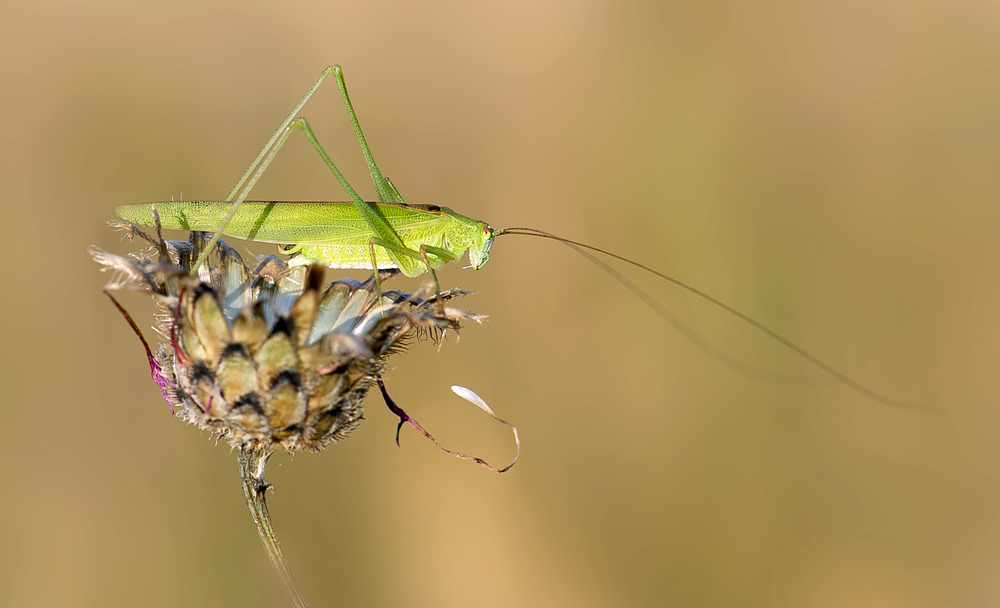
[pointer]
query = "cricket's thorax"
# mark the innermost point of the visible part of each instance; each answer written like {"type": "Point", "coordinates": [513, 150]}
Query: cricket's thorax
{"type": "Point", "coordinates": [467, 233]}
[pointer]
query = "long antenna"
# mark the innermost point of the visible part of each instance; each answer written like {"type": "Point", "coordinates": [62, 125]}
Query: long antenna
{"type": "Point", "coordinates": [653, 303]}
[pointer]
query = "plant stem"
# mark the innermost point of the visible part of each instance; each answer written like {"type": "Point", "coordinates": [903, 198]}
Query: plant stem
{"type": "Point", "coordinates": [252, 460]}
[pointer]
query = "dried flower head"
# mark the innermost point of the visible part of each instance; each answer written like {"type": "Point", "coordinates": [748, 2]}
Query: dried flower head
{"type": "Point", "coordinates": [269, 357]}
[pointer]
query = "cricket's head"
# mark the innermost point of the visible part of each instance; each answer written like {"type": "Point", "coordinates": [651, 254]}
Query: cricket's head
{"type": "Point", "coordinates": [479, 251]}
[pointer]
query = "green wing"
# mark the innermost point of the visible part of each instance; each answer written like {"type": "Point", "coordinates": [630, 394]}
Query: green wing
{"type": "Point", "coordinates": [290, 222]}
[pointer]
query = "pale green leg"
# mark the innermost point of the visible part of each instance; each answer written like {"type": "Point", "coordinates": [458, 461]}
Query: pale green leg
{"type": "Point", "coordinates": [395, 193]}
{"type": "Point", "coordinates": [242, 189]}
{"type": "Point", "coordinates": [421, 254]}
{"type": "Point", "coordinates": [385, 235]}
{"type": "Point", "coordinates": [434, 277]}
{"type": "Point", "coordinates": [445, 255]}
{"type": "Point", "coordinates": [379, 226]}
{"type": "Point", "coordinates": [378, 282]}
{"type": "Point", "coordinates": [386, 192]}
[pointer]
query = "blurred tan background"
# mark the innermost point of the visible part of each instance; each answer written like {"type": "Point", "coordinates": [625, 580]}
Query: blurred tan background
{"type": "Point", "coordinates": [828, 168]}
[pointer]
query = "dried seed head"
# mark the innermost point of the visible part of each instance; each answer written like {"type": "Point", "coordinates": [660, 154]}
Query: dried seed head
{"type": "Point", "coordinates": [268, 357]}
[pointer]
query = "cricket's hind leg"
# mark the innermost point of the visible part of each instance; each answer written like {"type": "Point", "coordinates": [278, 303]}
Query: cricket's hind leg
{"type": "Point", "coordinates": [259, 165]}
{"type": "Point", "coordinates": [385, 190]}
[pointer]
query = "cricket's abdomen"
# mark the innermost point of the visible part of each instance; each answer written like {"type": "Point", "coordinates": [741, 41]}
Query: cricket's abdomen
{"type": "Point", "coordinates": [357, 257]}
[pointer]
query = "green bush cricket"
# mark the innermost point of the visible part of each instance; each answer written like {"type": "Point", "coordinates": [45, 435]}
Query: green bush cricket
{"type": "Point", "coordinates": [388, 233]}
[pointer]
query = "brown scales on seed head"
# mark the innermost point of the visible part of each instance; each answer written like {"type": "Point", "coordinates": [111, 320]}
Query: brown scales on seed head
{"type": "Point", "coordinates": [267, 357]}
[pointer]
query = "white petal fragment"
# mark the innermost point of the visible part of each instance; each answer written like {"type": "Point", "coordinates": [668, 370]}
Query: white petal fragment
{"type": "Point", "coordinates": [478, 401]}
{"type": "Point", "coordinates": [472, 398]}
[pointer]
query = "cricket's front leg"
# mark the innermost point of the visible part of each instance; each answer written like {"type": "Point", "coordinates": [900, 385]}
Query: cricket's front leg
{"type": "Point", "coordinates": [413, 263]}
{"type": "Point", "coordinates": [433, 275]}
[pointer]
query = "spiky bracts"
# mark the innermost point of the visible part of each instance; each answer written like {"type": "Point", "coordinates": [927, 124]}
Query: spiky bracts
{"type": "Point", "coordinates": [269, 357]}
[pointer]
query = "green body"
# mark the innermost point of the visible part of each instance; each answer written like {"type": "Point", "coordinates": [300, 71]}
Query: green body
{"type": "Point", "coordinates": [357, 234]}
{"type": "Point", "coordinates": [335, 234]}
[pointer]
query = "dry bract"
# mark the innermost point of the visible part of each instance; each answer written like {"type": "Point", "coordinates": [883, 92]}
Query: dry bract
{"type": "Point", "coordinates": [269, 357]}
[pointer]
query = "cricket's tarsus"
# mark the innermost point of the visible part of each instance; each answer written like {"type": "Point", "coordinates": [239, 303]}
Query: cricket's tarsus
{"type": "Point", "coordinates": [390, 233]}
